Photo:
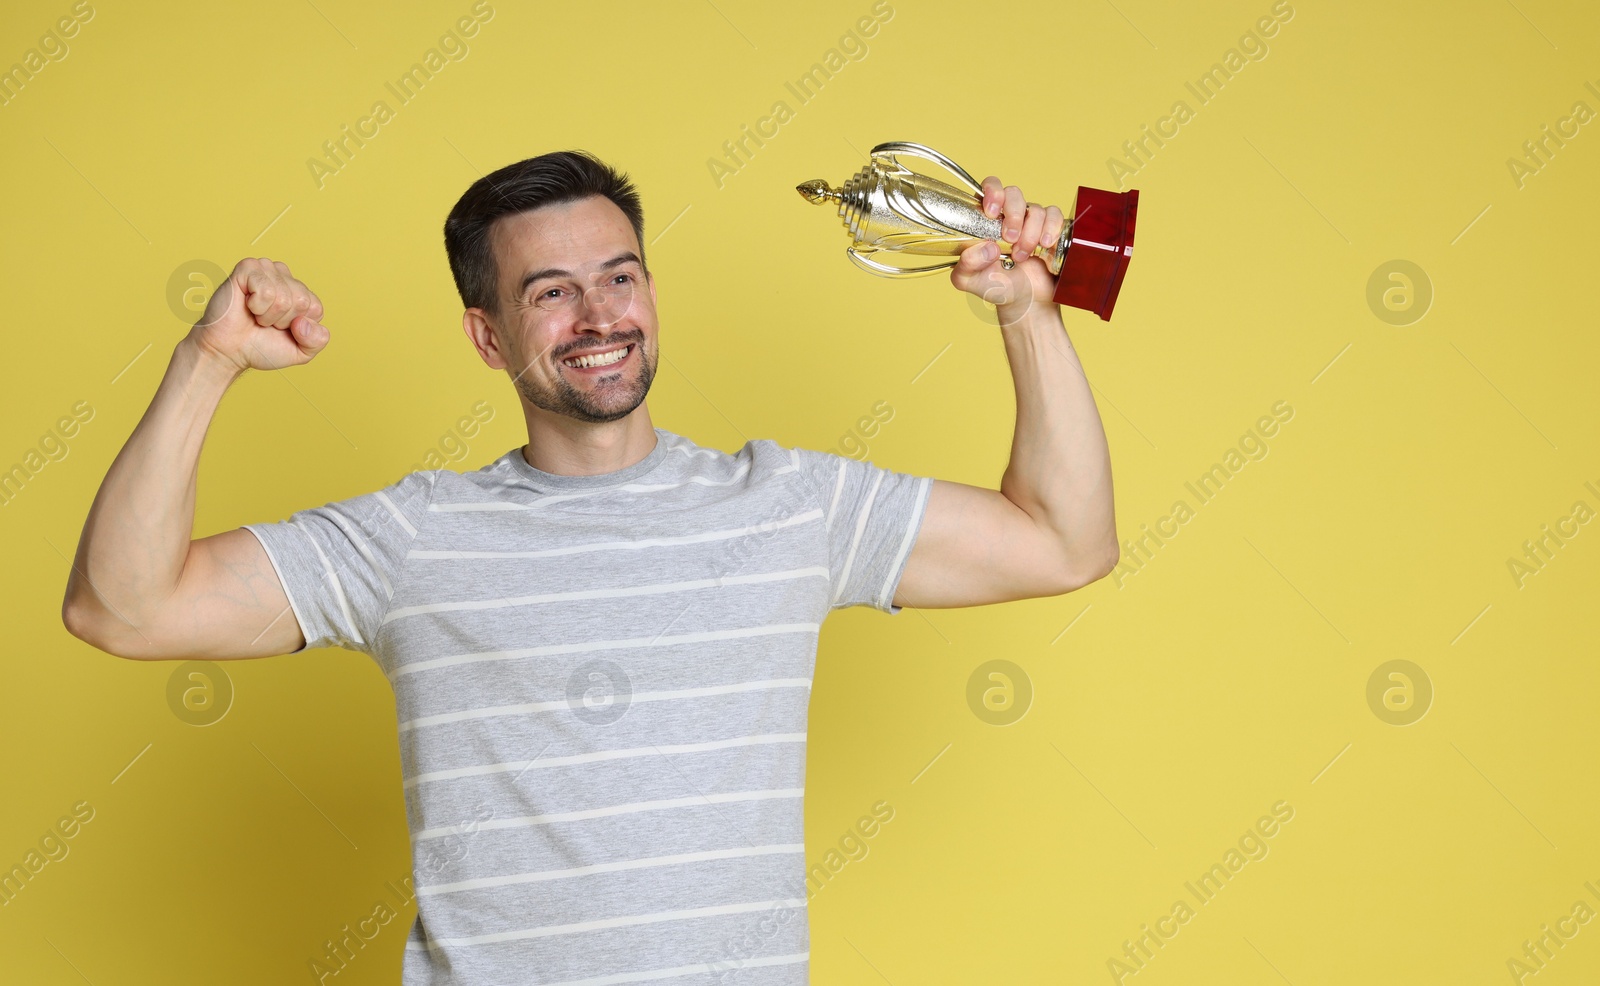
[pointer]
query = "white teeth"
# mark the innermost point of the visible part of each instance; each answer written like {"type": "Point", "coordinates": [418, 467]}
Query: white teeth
{"type": "Point", "coordinates": [602, 359]}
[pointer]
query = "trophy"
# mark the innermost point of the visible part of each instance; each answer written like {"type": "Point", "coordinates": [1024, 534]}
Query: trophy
{"type": "Point", "coordinates": [889, 208]}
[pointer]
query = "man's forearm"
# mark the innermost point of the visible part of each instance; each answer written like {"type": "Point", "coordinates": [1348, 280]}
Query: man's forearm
{"type": "Point", "coordinates": [1060, 468]}
{"type": "Point", "coordinates": [136, 538]}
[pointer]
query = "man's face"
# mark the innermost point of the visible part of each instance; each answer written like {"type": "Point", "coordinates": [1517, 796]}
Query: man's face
{"type": "Point", "coordinates": [577, 314]}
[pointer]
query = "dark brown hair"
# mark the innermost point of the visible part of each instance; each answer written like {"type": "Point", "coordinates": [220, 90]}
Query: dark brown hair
{"type": "Point", "coordinates": [559, 176]}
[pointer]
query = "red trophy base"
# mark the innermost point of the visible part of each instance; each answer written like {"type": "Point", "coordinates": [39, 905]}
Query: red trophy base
{"type": "Point", "coordinates": [1099, 251]}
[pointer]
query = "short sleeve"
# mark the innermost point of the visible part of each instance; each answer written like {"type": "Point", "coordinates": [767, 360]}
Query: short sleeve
{"type": "Point", "coordinates": [872, 516]}
{"type": "Point", "coordinates": [339, 562]}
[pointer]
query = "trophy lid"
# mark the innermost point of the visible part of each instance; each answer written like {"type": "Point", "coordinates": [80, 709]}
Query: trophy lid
{"type": "Point", "coordinates": [817, 192]}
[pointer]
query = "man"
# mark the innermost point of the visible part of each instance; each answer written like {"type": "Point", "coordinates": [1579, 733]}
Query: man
{"type": "Point", "coordinates": [601, 644]}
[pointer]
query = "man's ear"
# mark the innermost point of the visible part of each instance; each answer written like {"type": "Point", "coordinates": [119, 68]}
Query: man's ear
{"type": "Point", "coordinates": [650, 279]}
{"type": "Point", "coordinates": [475, 323]}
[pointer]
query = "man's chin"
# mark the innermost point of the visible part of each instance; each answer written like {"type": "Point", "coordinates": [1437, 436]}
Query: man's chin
{"type": "Point", "coordinates": [600, 412]}
{"type": "Point", "coordinates": [584, 407]}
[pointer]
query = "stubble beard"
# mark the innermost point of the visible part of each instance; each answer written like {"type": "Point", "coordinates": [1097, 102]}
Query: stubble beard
{"type": "Point", "coordinates": [608, 399]}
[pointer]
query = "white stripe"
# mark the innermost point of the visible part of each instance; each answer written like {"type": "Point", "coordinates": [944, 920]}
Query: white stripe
{"type": "Point", "coordinates": [1127, 251]}
{"type": "Point", "coordinates": [397, 514]}
{"type": "Point", "coordinates": [338, 590]}
{"type": "Point", "coordinates": [681, 970]}
{"type": "Point", "coordinates": [760, 739]}
{"type": "Point", "coordinates": [629, 545]}
{"type": "Point", "coordinates": [634, 699]}
{"type": "Point", "coordinates": [905, 542]}
{"type": "Point", "coordinates": [613, 593]}
{"type": "Point", "coordinates": [597, 645]}
{"type": "Point", "coordinates": [740, 964]}
{"type": "Point", "coordinates": [861, 527]}
{"type": "Point", "coordinates": [360, 542]}
{"type": "Point", "coordinates": [658, 804]}
{"type": "Point", "coordinates": [545, 501]}
{"type": "Point", "coordinates": [493, 505]}
{"type": "Point", "coordinates": [692, 452]}
{"type": "Point", "coordinates": [838, 490]}
{"type": "Point", "coordinates": [619, 922]}
{"type": "Point", "coordinates": [738, 474]}
{"type": "Point", "coordinates": [626, 864]}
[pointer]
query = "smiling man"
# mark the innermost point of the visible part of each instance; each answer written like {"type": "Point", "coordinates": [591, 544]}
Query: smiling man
{"type": "Point", "coordinates": [601, 644]}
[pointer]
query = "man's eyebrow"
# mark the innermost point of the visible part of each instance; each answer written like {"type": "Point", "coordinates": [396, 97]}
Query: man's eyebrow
{"type": "Point", "coordinates": [539, 275]}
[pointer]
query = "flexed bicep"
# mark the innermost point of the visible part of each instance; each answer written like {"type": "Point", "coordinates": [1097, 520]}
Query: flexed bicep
{"type": "Point", "coordinates": [975, 547]}
{"type": "Point", "coordinates": [229, 603]}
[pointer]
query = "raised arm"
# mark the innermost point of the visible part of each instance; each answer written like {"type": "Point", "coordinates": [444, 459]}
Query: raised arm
{"type": "Point", "coordinates": [139, 587]}
{"type": "Point", "coordinates": [1051, 527]}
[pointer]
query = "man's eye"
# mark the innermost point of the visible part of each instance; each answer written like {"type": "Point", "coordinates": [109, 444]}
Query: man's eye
{"type": "Point", "coordinates": [550, 292]}
{"type": "Point", "coordinates": [626, 276]}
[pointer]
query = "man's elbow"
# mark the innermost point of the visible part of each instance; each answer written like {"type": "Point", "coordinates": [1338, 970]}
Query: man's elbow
{"type": "Point", "coordinates": [91, 628]}
{"type": "Point", "coordinates": [81, 624]}
{"type": "Point", "coordinates": [1113, 558]}
{"type": "Point", "coordinates": [1082, 571]}
{"type": "Point", "coordinates": [75, 619]}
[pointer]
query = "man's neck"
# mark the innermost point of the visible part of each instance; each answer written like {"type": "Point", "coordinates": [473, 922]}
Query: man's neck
{"type": "Point", "coordinates": [568, 447]}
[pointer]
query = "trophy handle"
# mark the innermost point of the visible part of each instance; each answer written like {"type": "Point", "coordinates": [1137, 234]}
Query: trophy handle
{"type": "Point", "coordinates": [889, 270]}
{"type": "Point", "coordinates": [929, 154]}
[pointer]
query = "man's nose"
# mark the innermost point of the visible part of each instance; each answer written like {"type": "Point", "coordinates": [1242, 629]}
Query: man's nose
{"type": "Point", "coordinates": [606, 304]}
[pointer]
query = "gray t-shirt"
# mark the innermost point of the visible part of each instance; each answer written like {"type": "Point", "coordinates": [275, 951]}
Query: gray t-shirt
{"type": "Point", "coordinates": [601, 685]}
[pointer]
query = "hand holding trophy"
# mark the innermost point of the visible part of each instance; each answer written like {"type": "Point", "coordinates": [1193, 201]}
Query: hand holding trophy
{"type": "Point", "coordinates": [891, 209]}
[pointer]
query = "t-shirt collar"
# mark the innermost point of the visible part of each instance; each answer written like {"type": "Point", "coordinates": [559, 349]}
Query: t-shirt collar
{"type": "Point", "coordinates": [549, 481]}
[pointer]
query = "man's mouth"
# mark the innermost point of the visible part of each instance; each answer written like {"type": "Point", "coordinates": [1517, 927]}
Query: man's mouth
{"type": "Point", "coordinates": [599, 360]}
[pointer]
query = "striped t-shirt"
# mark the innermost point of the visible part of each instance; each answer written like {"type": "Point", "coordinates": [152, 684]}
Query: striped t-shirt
{"type": "Point", "coordinates": [601, 685]}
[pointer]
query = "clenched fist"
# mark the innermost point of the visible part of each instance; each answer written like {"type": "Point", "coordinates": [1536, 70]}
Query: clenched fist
{"type": "Point", "coordinates": [261, 318]}
{"type": "Point", "coordinates": [1026, 226]}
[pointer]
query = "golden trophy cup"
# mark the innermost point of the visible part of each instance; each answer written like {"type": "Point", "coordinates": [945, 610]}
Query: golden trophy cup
{"type": "Point", "coordinates": [890, 209]}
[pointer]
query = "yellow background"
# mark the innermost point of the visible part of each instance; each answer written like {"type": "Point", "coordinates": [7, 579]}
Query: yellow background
{"type": "Point", "coordinates": [1225, 676]}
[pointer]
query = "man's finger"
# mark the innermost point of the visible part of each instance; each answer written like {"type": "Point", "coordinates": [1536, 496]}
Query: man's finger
{"type": "Point", "coordinates": [1012, 214]}
{"type": "Point", "coordinates": [263, 296]}
{"type": "Point", "coordinates": [256, 287]}
{"type": "Point", "coordinates": [1032, 229]}
{"type": "Point", "coordinates": [993, 197]}
{"type": "Point", "coordinates": [296, 306]}
{"type": "Point", "coordinates": [290, 296]}
{"type": "Point", "coordinates": [281, 309]}
{"type": "Point", "coordinates": [309, 334]}
{"type": "Point", "coordinates": [1054, 223]}
{"type": "Point", "coordinates": [972, 262]}
{"type": "Point", "coordinates": [305, 299]}
{"type": "Point", "coordinates": [301, 304]}
{"type": "Point", "coordinates": [265, 289]}
{"type": "Point", "coordinates": [314, 309]}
